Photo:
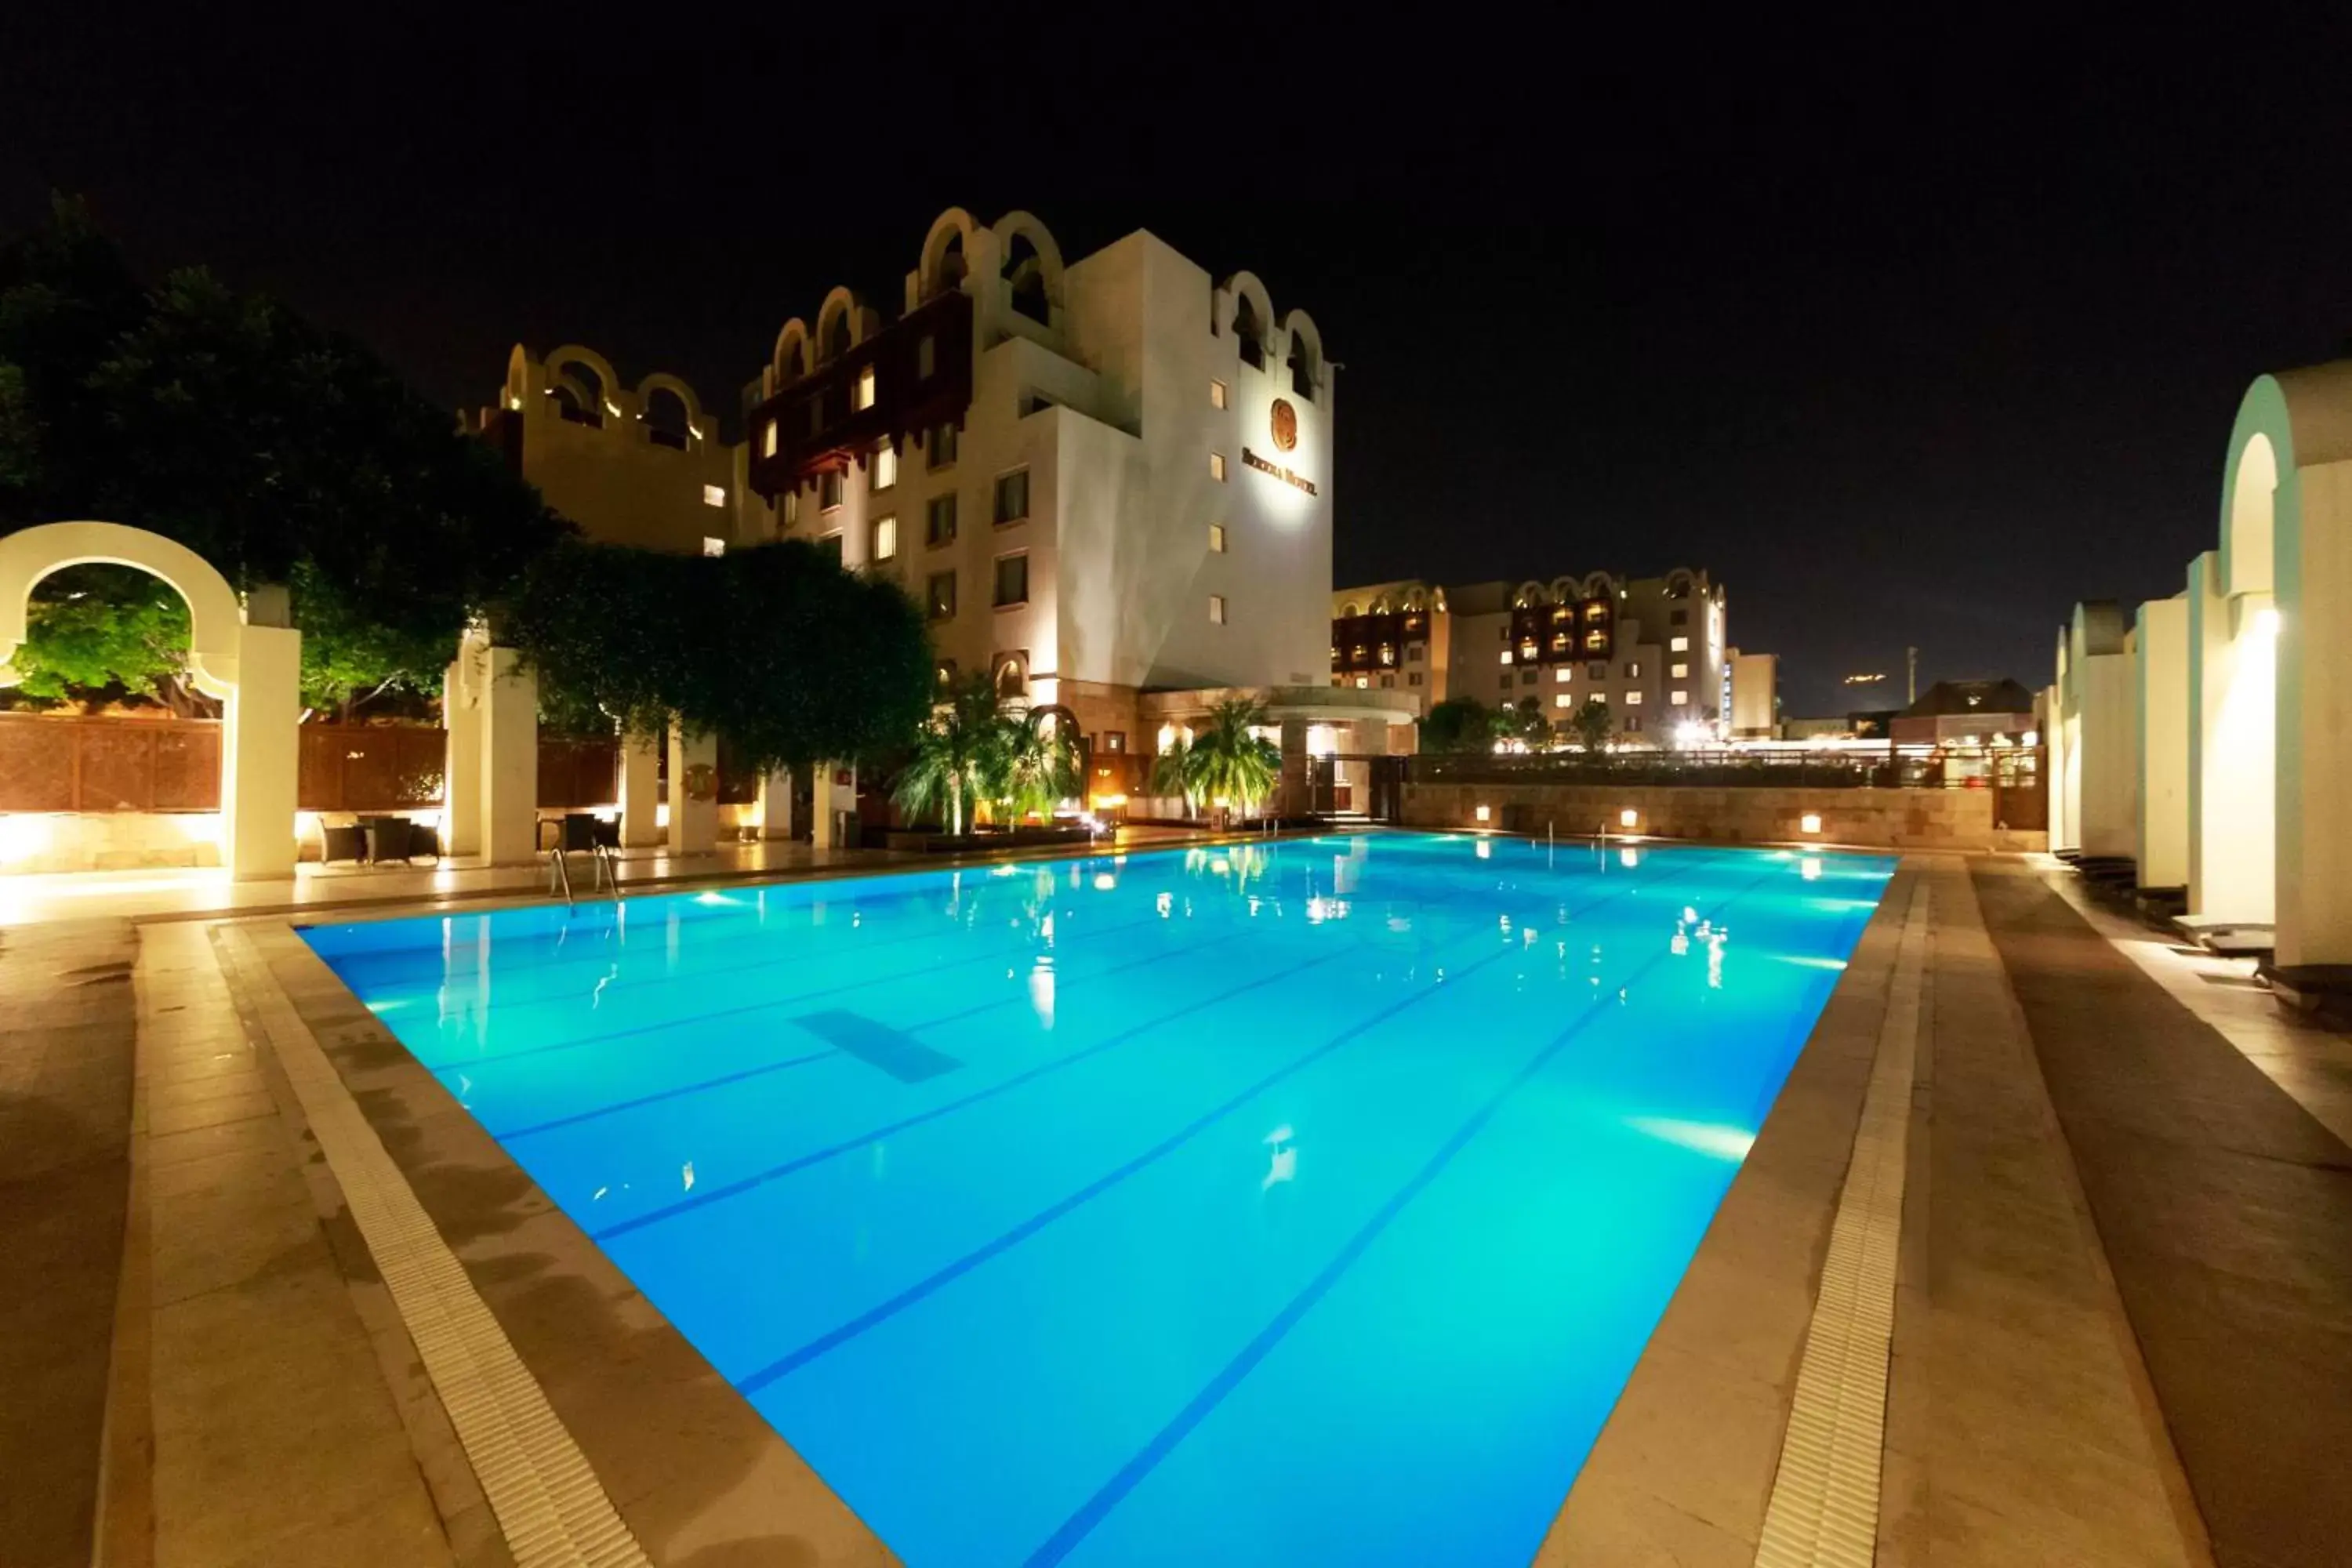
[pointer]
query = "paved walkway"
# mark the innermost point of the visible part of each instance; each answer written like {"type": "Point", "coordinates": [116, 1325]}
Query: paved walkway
{"type": "Point", "coordinates": [2226, 1211]}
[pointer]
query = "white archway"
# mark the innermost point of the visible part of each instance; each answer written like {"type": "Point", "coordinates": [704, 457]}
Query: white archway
{"type": "Point", "coordinates": [256, 671]}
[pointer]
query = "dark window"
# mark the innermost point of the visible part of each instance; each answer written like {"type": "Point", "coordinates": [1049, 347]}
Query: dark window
{"type": "Point", "coordinates": [1013, 579]}
{"type": "Point", "coordinates": [828, 491]}
{"type": "Point", "coordinates": [1633, 723]}
{"type": "Point", "coordinates": [1388, 681]}
{"type": "Point", "coordinates": [939, 520]}
{"type": "Point", "coordinates": [942, 599]}
{"type": "Point", "coordinates": [1678, 617]}
{"type": "Point", "coordinates": [831, 545]}
{"type": "Point", "coordinates": [1632, 669]}
{"type": "Point", "coordinates": [1249, 334]}
{"type": "Point", "coordinates": [1597, 671]}
{"type": "Point", "coordinates": [1114, 739]}
{"type": "Point", "coordinates": [1412, 677]}
{"type": "Point", "coordinates": [943, 445]}
{"type": "Point", "coordinates": [926, 358]}
{"type": "Point", "coordinates": [1528, 677]}
{"type": "Point", "coordinates": [1412, 651]}
{"type": "Point", "coordinates": [1012, 496]}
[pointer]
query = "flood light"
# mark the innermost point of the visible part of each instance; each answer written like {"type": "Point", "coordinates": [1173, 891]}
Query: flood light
{"type": "Point", "coordinates": [1628, 817]}
{"type": "Point", "coordinates": [1811, 822]}
{"type": "Point", "coordinates": [1483, 813]}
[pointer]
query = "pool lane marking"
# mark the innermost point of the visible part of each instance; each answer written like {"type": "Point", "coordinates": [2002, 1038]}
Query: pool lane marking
{"type": "Point", "coordinates": [843, 1333]}
{"type": "Point", "coordinates": [1823, 1510]}
{"type": "Point", "coordinates": [1096, 1509]}
{"type": "Point", "coordinates": [681, 1090]}
{"type": "Point", "coordinates": [850, 1146]}
{"type": "Point", "coordinates": [788, 1000]}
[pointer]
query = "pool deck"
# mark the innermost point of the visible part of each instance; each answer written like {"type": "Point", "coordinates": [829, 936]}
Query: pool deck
{"type": "Point", "coordinates": [2113, 1234]}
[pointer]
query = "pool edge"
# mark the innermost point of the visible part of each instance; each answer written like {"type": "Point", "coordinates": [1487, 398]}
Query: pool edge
{"type": "Point", "coordinates": [1684, 1466]}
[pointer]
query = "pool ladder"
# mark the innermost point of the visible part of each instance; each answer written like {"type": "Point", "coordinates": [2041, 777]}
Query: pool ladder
{"type": "Point", "coordinates": [559, 872]}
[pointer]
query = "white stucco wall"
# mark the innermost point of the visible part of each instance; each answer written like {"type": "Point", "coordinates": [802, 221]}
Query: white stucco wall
{"type": "Point", "coordinates": [2161, 673]}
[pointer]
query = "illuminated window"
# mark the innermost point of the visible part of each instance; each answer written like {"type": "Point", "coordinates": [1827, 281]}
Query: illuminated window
{"type": "Point", "coordinates": [1011, 580]}
{"type": "Point", "coordinates": [1387, 653]}
{"type": "Point", "coordinates": [861, 394]}
{"type": "Point", "coordinates": [940, 596]}
{"type": "Point", "coordinates": [1560, 674]}
{"type": "Point", "coordinates": [1363, 682]}
{"type": "Point", "coordinates": [1632, 699]}
{"type": "Point", "coordinates": [1216, 538]}
{"type": "Point", "coordinates": [939, 520]}
{"type": "Point", "coordinates": [1679, 699]}
{"type": "Point", "coordinates": [714, 495]}
{"type": "Point", "coordinates": [942, 446]}
{"type": "Point", "coordinates": [1678, 645]}
{"type": "Point", "coordinates": [1012, 496]}
{"type": "Point", "coordinates": [1217, 467]}
{"type": "Point", "coordinates": [886, 467]}
{"type": "Point", "coordinates": [1679, 671]}
{"type": "Point", "coordinates": [1216, 394]}
{"type": "Point", "coordinates": [886, 539]}
{"type": "Point", "coordinates": [791, 507]}
{"type": "Point", "coordinates": [926, 358]}
{"type": "Point", "coordinates": [1217, 609]}
{"type": "Point", "coordinates": [1507, 656]}
{"type": "Point", "coordinates": [1595, 610]}
{"type": "Point", "coordinates": [828, 491]}
{"type": "Point", "coordinates": [1563, 700]}
{"type": "Point", "coordinates": [1632, 669]}
{"type": "Point", "coordinates": [767, 439]}
{"type": "Point", "coordinates": [713, 546]}
{"type": "Point", "coordinates": [1596, 640]}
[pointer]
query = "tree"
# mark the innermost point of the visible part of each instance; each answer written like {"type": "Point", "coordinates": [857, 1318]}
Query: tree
{"type": "Point", "coordinates": [1040, 766]}
{"type": "Point", "coordinates": [776, 648]}
{"type": "Point", "coordinates": [959, 755]}
{"type": "Point", "coordinates": [280, 453]}
{"type": "Point", "coordinates": [1458, 724]}
{"type": "Point", "coordinates": [94, 629]}
{"type": "Point", "coordinates": [1524, 722]}
{"type": "Point", "coordinates": [1223, 763]}
{"type": "Point", "coordinates": [1592, 724]}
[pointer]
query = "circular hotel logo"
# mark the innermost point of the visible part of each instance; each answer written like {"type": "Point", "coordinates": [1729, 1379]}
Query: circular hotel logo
{"type": "Point", "coordinates": [1286, 424]}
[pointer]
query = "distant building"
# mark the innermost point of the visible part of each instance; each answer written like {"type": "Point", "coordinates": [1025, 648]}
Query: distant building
{"type": "Point", "coordinates": [1754, 695]}
{"type": "Point", "coordinates": [1652, 648]}
{"type": "Point", "coordinates": [1968, 713]}
{"type": "Point", "coordinates": [643, 466]}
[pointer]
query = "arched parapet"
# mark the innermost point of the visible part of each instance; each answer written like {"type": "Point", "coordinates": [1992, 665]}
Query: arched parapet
{"type": "Point", "coordinates": [843, 323]}
{"type": "Point", "coordinates": [697, 425]}
{"type": "Point", "coordinates": [1599, 585]}
{"type": "Point", "coordinates": [519, 376]}
{"type": "Point", "coordinates": [793, 356]}
{"type": "Point", "coordinates": [1304, 356]}
{"type": "Point", "coordinates": [1246, 288]}
{"type": "Point", "coordinates": [216, 619]}
{"type": "Point", "coordinates": [1531, 596]}
{"type": "Point", "coordinates": [603, 400]}
{"type": "Point", "coordinates": [1682, 582]}
{"type": "Point", "coordinates": [1029, 267]}
{"type": "Point", "coordinates": [1414, 598]}
{"type": "Point", "coordinates": [949, 251]}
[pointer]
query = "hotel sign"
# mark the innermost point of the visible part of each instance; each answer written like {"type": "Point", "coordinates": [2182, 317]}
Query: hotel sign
{"type": "Point", "coordinates": [1264, 466]}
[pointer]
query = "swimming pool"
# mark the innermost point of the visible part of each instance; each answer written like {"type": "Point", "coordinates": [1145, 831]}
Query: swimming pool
{"type": "Point", "coordinates": [1301, 1202]}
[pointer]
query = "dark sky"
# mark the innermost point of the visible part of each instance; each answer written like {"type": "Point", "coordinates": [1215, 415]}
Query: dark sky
{"type": "Point", "coordinates": [1908, 338]}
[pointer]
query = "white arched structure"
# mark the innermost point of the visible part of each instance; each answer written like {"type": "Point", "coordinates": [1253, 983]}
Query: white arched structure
{"type": "Point", "coordinates": [2270, 673]}
{"type": "Point", "coordinates": [255, 669]}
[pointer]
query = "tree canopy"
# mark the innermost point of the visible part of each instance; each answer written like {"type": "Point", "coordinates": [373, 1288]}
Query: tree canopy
{"type": "Point", "coordinates": [792, 660]}
{"type": "Point", "coordinates": [281, 453]}
{"type": "Point", "coordinates": [1223, 762]}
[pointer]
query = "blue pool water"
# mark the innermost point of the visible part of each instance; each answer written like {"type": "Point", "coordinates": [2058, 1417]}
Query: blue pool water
{"type": "Point", "coordinates": [1294, 1204]}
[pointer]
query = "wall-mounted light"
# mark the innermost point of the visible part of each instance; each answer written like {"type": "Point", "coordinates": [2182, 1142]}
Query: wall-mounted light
{"type": "Point", "coordinates": [1811, 822]}
{"type": "Point", "coordinates": [1483, 813]}
{"type": "Point", "coordinates": [2266, 621]}
{"type": "Point", "coordinates": [1628, 817]}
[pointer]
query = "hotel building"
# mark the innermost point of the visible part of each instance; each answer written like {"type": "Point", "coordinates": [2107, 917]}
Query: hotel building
{"type": "Point", "coordinates": [1652, 648]}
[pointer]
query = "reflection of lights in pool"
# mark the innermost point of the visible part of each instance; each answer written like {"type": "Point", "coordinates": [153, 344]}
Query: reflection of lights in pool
{"type": "Point", "coordinates": [1722, 1142]}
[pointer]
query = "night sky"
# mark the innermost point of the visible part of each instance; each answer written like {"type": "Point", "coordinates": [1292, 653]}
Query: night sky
{"type": "Point", "coordinates": [1908, 340]}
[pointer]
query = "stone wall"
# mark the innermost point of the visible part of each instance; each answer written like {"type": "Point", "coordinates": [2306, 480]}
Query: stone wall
{"type": "Point", "coordinates": [1874, 818]}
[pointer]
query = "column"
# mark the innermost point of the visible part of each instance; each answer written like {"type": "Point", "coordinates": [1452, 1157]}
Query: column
{"type": "Point", "coordinates": [776, 805]}
{"type": "Point", "coordinates": [262, 741]}
{"type": "Point", "coordinates": [2163, 697]}
{"type": "Point", "coordinates": [508, 707]}
{"type": "Point", "coordinates": [835, 793]}
{"type": "Point", "coordinates": [640, 793]}
{"type": "Point", "coordinates": [1295, 796]}
{"type": "Point", "coordinates": [693, 792]}
{"type": "Point", "coordinates": [461, 782]}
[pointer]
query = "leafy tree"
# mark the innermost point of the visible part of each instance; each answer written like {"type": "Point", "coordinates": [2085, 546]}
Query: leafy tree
{"type": "Point", "coordinates": [959, 755]}
{"type": "Point", "coordinates": [280, 453]}
{"type": "Point", "coordinates": [91, 629]}
{"type": "Point", "coordinates": [1524, 722]}
{"type": "Point", "coordinates": [1040, 766]}
{"type": "Point", "coordinates": [1223, 762]}
{"type": "Point", "coordinates": [1458, 724]}
{"type": "Point", "coordinates": [792, 660]}
{"type": "Point", "coordinates": [1592, 724]}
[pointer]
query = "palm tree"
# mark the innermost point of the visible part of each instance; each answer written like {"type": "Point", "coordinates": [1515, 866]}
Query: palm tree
{"type": "Point", "coordinates": [959, 755]}
{"type": "Point", "coordinates": [1038, 765]}
{"type": "Point", "coordinates": [1223, 762]}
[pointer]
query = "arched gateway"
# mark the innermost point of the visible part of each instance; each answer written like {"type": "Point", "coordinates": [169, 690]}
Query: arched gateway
{"type": "Point", "coordinates": [255, 669]}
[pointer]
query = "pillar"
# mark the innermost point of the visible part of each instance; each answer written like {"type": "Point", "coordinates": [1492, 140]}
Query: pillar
{"type": "Point", "coordinates": [2162, 672]}
{"type": "Point", "coordinates": [693, 792]}
{"type": "Point", "coordinates": [2313, 879]}
{"type": "Point", "coordinates": [776, 805]}
{"type": "Point", "coordinates": [461, 782]}
{"type": "Point", "coordinates": [508, 708]}
{"type": "Point", "coordinates": [262, 741]}
{"type": "Point", "coordinates": [640, 793]}
{"type": "Point", "coordinates": [835, 793]}
{"type": "Point", "coordinates": [1295, 795]}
